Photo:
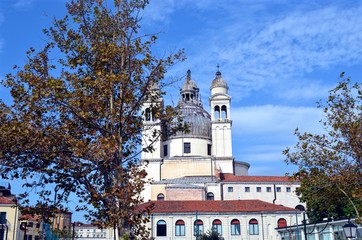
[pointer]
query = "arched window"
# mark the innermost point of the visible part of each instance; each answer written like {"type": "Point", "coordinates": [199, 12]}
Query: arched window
{"type": "Point", "coordinates": [253, 227]}
{"type": "Point", "coordinates": [300, 207]}
{"type": "Point", "coordinates": [210, 196]}
{"type": "Point", "coordinates": [160, 197]}
{"type": "Point", "coordinates": [217, 226]}
{"type": "Point", "coordinates": [282, 223]}
{"type": "Point", "coordinates": [198, 227]}
{"type": "Point", "coordinates": [223, 112]}
{"type": "Point", "coordinates": [217, 112]}
{"type": "Point", "coordinates": [235, 227]}
{"type": "Point", "coordinates": [148, 114]}
{"type": "Point", "coordinates": [180, 228]}
{"type": "Point", "coordinates": [161, 228]}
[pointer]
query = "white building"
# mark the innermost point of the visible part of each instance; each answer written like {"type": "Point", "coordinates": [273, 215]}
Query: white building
{"type": "Point", "coordinates": [85, 231]}
{"type": "Point", "coordinates": [9, 214]}
{"type": "Point", "coordinates": [199, 167]}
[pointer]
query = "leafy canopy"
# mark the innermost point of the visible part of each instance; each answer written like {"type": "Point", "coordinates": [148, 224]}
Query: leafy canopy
{"type": "Point", "coordinates": [76, 119]}
{"type": "Point", "coordinates": [330, 165]}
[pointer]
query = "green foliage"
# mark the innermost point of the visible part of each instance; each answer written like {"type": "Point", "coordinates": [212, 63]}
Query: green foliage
{"type": "Point", "coordinates": [75, 123]}
{"type": "Point", "coordinates": [210, 235]}
{"type": "Point", "coordinates": [330, 165]}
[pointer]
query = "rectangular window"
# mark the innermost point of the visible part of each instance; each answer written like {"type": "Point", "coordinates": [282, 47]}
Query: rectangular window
{"type": "Point", "coordinates": [217, 228]}
{"type": "Point", "coordinates": [235, 229]}
{"type": "Point", "coordinates": [230, 189]}
{"type": "Point", "coordinates": [180, 230]}
{"type": "Point", "coordinates": [258, 189]}
{"type": "Point", "coordinates": [288, 189]}
{"type": "Point", "coordinates": [198, 229]}
{"type": "Point", "coordinates": [187, 147]}
{"type": "Point", "coordinates": [161, 228]}
{"type": "Point", "coordinates": [209, 149]}
{"type": "Point", "coordinates": [247, 189]}
{"type": "Point", "coordinates": [268, 189]}
{"type": "Point", "coordinates": [2, 217]}
{"type": "Point", "coordinates": [2, 221]}
{"type": "Point", "coordinates": [253, 229]}
{"type": "Point", "coordinates": [30, 225]}
{"type": "Point", "coordinates": [165, 150]}
{"type": "Point", "coordinates": [279, 189]}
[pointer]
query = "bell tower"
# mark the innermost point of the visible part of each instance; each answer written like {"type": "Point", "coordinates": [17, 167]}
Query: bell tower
{"type": "Point", "coordinates": [151, 132]}
{"type": "Point", "coordinates": [221, 123]}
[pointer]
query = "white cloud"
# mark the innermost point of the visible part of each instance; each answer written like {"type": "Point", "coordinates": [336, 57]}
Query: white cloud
{"type": "Point", "coordinates": [21, 4]}
{"type": "Point", "coordinates": [158, 11]}
{"type": "Point", "coordinates": [270, 119]}
{"type": "Point", "coordinates": [282, 49]}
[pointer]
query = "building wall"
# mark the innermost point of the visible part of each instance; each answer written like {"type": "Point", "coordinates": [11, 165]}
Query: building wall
{"type": "Point", "coordinates": [88, 231]}
{"type": "Point", "coordinates": [176, 168]}
{"type": "Point", "coordinates": [285, 198]}
{"type": "Point", "coordinates": [267, 222]}
{"type": "Point", "coordinates": [198, 146]}
{"type": "Point", "coordinates": [185, 194]}
{"type": "Point", "coordinates": [11, 223]}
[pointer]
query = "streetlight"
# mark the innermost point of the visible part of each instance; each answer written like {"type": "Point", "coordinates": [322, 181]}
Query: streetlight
{"type": "Point", "coordinates": [350, 229]}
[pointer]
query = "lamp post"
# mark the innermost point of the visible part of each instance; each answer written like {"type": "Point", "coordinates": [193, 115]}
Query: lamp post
{"type": "Point", "coordinates": [350, 229]}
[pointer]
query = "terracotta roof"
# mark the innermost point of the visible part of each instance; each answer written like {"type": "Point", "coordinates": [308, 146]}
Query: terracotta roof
{"type": "Point", "coordinates": [228, 177]}
{"type": "Point", "coordinates": [215, 206]}
{"type": "Point", "coordinates": [30, 217]}
{"type": "Point", "coordinates": [5, 200]}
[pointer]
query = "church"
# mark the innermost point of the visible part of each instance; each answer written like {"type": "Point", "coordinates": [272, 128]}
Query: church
{"type": "Point", "coordinates": [197, 185]}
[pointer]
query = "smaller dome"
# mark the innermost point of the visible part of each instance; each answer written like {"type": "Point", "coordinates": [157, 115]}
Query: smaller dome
{"type": "Point", "coordinates": [189, 84]}
{"type": "Point", "coordinates": [219, 81]}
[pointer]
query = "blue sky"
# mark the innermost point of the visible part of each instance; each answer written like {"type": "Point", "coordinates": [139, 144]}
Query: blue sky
{"type": "Point", "coordinates": [279, 58]}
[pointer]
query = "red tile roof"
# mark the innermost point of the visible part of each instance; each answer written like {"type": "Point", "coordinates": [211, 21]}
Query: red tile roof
{"type": "Point", "coordinates": [215, 206]}
{"type": "Point", "coordinates": [228, 177]}
{"type": "Point", "coordinates": [5, 200]}
{"type": "Point", "coordinates": [30, 217]}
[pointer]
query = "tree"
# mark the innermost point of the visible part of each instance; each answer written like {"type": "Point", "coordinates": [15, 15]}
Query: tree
{"type": "Point", "coordinates": [330, 164]}
{"type": "Point", "coordinates": [210, 235]}
{"type": "Point", "coordinates": [76, 119]}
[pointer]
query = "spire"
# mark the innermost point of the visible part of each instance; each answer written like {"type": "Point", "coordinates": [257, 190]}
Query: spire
{"type": "Point", "coordinates": [218, 73]}
{"type": "Point", "coordinates": [188, 77]}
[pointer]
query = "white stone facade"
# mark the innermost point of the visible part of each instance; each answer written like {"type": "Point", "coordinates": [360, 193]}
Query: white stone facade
{"type": "Point", "coordinates": [199, 166]}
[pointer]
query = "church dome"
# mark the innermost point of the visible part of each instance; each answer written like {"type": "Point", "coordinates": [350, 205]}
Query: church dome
{"type": "Point", "coordinates": [218, 82]}
{"type": "Point", "coordinates": [192, 111]}
{"type": "Point", "coordinates": [197, 118]}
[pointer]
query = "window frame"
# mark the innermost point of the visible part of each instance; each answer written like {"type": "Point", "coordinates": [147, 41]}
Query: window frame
{"type": "Point", "coordinates": [165, 150]}
{"type": "Point", "coordinates": [180, 228]}
{"type": "Point", "coordinates": [187, 147]}
{"type": "Point", "coordinates": [209, 149]}
{"type": "Point", "coordinates": [282, 222]}
{"type": "Point", "coordinates": [253, 227]}
{"type": "Point", "coordinates": [230, 189]}
{"type": "Point", "coordinates": [161, 228]}
{"type": "Point", "coordinates": [217, 226]}
{"type": "Point", "coordinates": [198, 225]}
{"type": "Point", "coordinates": [235, 229]}
{"type": "Point", "coordinates": [160, 197]}
{"type": "Point", "coordinates": [210, 196]}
